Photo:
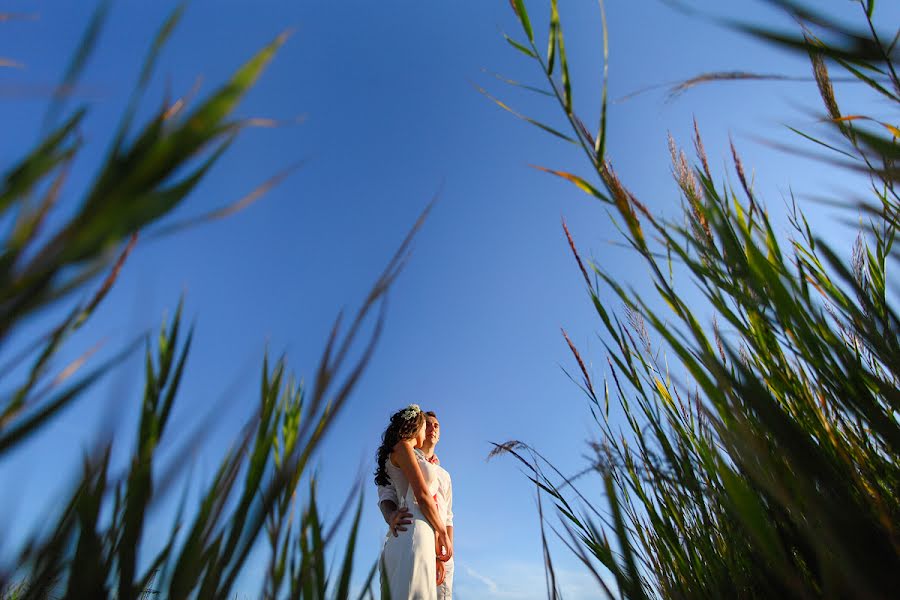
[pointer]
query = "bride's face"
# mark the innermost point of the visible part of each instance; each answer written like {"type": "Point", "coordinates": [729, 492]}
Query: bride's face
{"type": "Point", "coordinates": [420, 436]}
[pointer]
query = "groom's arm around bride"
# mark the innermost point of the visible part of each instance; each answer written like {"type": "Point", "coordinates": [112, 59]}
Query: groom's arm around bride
{"type": "Point", "coordinates": [397, 518]}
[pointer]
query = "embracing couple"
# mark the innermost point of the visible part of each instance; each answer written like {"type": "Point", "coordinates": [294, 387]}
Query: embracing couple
{"type": "Point", "coordinates": [416, 499]}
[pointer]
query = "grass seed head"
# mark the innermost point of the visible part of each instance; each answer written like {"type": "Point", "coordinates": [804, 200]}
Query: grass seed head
{"type": "Point", "coordinates": [584, 274]}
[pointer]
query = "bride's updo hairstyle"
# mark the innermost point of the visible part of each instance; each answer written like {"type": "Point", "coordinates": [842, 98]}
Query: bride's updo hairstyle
{"type": "Point", "coordinates": [403, 426]}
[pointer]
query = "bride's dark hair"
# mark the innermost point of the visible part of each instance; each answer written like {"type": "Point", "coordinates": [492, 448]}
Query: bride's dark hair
{"type": "Point", "coordinates": [403, 426]}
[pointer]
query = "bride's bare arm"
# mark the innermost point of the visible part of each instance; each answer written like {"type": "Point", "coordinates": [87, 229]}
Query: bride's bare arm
{"type": "Point", "coordinates": [404, 457]}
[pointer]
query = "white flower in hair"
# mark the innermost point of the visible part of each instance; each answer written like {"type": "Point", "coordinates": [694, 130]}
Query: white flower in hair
{"type": "Point", "coordinates": [410, 412]}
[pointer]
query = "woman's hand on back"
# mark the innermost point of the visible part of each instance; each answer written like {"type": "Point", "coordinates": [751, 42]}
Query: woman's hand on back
{"type": "Point", "coordinates": [443, 547]}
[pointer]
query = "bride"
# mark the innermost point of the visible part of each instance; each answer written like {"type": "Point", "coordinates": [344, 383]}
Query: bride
{"type": "Point", "coordinates": [408, 566]}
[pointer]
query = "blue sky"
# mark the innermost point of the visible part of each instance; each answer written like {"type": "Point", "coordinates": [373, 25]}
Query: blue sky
{"type": "Point", "coordinates": [391, 115]}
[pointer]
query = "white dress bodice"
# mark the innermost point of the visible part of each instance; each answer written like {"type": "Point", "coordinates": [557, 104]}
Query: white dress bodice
{"type": "Point", "coordinates": [401, 485]}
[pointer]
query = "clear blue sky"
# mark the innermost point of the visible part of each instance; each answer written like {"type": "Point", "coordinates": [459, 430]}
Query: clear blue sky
{"type": "Point", "coordinates": [392, 115]}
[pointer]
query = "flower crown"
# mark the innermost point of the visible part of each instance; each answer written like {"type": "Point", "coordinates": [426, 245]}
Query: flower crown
{"type": "Point", "coordinates": [410, 412]}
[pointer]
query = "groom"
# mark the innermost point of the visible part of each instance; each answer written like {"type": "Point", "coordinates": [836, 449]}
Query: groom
{"type": "Point", "coordinates": [397, 517]}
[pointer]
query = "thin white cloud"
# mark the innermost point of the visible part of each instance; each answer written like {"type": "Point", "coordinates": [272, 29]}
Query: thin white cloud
{"type": "Point", "coordinates": [491, 585]}
{"type": "Point", "coordinates": [513, 580]}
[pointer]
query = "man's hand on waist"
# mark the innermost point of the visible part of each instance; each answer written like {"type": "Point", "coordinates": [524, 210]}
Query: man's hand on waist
{"type": "Point", "coordinates": [399, 519]}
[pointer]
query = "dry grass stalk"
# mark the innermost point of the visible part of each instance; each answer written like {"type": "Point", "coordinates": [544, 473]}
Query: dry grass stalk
{"type": "Point", "coordinates": [701, 151]}
{"type": "Point", "coordinates": [584, 274]}
{"type": "Point", "coordinates": [687, 181]}
{"type": "Point", "coordinates": [682, 87]}
{"type": "Point", "coordinates": [718, 337]}
{"type": "Point", "coordinates": [858, 260]}
{"type": "Point", "coordinates": [823, 81]}
{"type": "Point", "coordinates": [510, 446]}
{"type": "Point", "coordinates": [625, 202]}
{"type": "Point", "coordinates": [739, 167]}
{"type": "Point", "coordinates": [639, 325]}
{"type": "Point", "coordinates": [113, 274]}
{"type": "Point", "coordinates": [584, 372]}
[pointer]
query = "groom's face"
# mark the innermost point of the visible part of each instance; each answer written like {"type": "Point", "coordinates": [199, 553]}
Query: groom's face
{"type": "Point", "coordinates": [432, 429]}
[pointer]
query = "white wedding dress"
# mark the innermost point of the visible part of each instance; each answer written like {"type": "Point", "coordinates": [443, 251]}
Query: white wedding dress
{"type": "Point", "coordinates": [408, 560]}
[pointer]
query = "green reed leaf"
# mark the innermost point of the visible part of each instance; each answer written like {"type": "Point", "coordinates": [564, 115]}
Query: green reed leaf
{"type": "Point", "coordinates": [521, 48]}
{"type": "Point", "coordinates": [522, 14]}
{"type": "Point", "coordinates": [552, 40]}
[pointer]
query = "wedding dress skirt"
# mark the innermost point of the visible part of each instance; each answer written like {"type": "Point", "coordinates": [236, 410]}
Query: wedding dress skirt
{"type": "Point", "coordinates": [408, 563]}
